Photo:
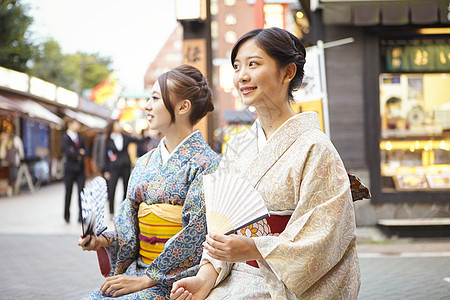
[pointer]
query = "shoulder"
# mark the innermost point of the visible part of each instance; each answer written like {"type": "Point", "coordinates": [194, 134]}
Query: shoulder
{"type": "Point", "coordinates": [127, 137]}
{"type": "Point", "coordinates": [108, 142]}
{"type": "Point", "coordinates": [316, 139]}
{"type": "Point", "coordinates": [207, 158]}
{"type": "Point", "coordinates": [144, 159]}
{"type": "Point", "coordinates": [65, 138]}
{"type": "Point", "coordinates": [208, 151]}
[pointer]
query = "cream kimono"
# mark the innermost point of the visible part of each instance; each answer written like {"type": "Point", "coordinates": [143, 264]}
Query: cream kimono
{"type": "Point", "coordinates": [315, 256]}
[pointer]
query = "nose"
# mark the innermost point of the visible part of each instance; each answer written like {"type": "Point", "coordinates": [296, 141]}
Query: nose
{"type": "Point", "coordinates": [148, 105]}
{"type": "Point", "coordinates": [243, 75]}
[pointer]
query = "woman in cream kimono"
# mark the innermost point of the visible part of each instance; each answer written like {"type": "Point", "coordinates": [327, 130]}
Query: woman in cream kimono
{"type": "Point", "coordinates": [164, 196]}
{"type": "Point", "coordinates": [310, 254]}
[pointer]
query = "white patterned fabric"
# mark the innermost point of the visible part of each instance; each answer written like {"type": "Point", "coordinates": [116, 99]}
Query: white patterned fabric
{"type": "Point", "coordinates": [315, 256]}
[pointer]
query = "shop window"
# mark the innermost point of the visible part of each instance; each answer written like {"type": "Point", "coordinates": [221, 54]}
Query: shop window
{"type": "Point", "coordinates": [415, 131]}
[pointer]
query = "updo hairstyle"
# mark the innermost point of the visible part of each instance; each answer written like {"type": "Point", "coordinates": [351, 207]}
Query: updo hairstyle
{"type": "Point", "coordinates": [186, 82]}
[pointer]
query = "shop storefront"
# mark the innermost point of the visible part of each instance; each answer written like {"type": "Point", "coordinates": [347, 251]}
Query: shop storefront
{"type": "Point", "coordinates": [411, 97]}
{"type": "Point", "coordinates": [389, 100]}
{"type": "Point", "coordinates": [36, 110]}
{"type": "Point", "coordinates": [415, 114]}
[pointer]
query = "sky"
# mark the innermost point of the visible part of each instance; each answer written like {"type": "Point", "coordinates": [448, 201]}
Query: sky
{"type": "Point", "coordinates": [130, 32]}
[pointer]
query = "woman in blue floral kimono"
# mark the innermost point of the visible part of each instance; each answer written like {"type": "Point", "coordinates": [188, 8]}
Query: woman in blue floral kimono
{"type": "Point", "coordinates": [165, 184]}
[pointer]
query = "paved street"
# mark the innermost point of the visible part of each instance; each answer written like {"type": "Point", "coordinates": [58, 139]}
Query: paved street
{"type": "Point", "coordinates": [40, 258]}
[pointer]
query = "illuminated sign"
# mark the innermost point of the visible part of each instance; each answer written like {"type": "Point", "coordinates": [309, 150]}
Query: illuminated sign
{"type": "Point", "coordinates": [418, 58]}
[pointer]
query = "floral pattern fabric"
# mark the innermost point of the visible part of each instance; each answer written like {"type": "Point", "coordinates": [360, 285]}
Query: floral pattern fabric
{"type": "Point", "coordinates": [178, 182]}
{"type": "Point", "coordinates": [298, 170]}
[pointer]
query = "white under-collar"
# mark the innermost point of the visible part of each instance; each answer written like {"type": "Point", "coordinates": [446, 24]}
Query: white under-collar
{"type": "Point", "coordinates": [165, 154]}
{"type": "Point", "coordinates": [262, 140]}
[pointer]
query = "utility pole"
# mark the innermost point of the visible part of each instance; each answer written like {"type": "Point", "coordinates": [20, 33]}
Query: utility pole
{"type": "Point", "coordinates": [195, 16]}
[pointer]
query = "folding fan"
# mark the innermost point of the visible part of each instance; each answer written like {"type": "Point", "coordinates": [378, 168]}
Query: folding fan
{"type": "Point", "coordinates": [93, 199]}
{"type": "Point", "coordinates": [231, 203]}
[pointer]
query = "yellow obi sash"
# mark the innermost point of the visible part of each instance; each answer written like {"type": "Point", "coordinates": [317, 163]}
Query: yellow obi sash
{"type": "Point", "coordinates": [157, 224]}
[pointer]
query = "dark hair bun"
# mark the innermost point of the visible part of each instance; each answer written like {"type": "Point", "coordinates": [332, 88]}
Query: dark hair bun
{"type": "Point", "coordinates": [187, 82]}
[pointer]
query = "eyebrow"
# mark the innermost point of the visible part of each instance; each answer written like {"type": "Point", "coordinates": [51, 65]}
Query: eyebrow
{"type": "Point", "coordinates": [250, 57]}
{"type": "Point", "coordinates": [254, 56]}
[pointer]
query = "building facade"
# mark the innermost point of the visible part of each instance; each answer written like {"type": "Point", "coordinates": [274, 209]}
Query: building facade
{"type": "Point", "coordinates": [34, 110]}
{"type": "Point", "coordinates": [389, 101]}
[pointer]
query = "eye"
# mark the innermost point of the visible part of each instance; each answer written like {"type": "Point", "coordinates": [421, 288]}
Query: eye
{"type": "Point", "coordinates": [155, 98]}
{"type": "Point", "coordinates": [236, 67]}
{"type": "Point", "coordinates": [252, 63]}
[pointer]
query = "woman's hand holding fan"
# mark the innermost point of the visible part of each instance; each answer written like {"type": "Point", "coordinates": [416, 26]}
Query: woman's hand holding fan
{"type": "Point", "coordinates": [231, 203]}
{"type": "Point", "coordinates": [231, 248]}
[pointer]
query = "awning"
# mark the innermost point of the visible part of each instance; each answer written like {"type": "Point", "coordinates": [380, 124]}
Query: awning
{"type": "Point", "coordinates": [10, 105]}
{"type": "Point", "coordinates": [30, 108]}
{"type": "Point", "coordinates": [37, 111]}
{"type": "Point", "coordinates": [239, 117]}
{"type": "Point", "coordinates": [86, 119]}
{"type": "Point", "coordinates": [388, 13]}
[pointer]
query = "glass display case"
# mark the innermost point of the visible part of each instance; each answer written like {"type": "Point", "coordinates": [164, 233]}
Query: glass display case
{"type": "Point", "coordinates": [415, 132]}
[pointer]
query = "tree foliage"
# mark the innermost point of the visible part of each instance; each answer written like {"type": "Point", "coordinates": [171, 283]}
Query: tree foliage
{"type": "Point", "coordinates": [15, 49]}
{"type": "Point", "coordinates": [45, 60]}
{"type": "Point", "coordinates": [76, 72]}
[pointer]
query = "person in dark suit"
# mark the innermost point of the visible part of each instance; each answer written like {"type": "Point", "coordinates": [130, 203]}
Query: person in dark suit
{"type": "Point", "coordinates": [74, 150]}
{"type": "Point", "coordinates": [117, 160]}
{"type": "Point", "coordinates": [146, 142]}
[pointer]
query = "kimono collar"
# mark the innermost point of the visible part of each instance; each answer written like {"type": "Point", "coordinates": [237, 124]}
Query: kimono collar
{"type": "Point", "coordinates": [279, 143]}
{"type": "Point", "coordinates": [184, 148]}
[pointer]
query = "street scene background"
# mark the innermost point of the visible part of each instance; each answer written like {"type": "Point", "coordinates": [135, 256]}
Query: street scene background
{"type": "Point", "coordinates": [377, 73]}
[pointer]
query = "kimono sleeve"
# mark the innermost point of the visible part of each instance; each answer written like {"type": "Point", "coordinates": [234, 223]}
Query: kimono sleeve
{"type": "Point", "coordinates": [321, 230]}
{"type": "Point", "coordinates": [124, 245]}
{"type": "Point", "coordinates": [184, 250]}
{"type": "Point", "coordinates": [222, 268]}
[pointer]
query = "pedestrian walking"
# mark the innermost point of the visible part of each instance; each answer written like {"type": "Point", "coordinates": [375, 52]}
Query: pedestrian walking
{"type": "Point", "coordinates": [74, 150]}
{"type": "Point", "coordinates": [147, 142]}
{"type": "Point", "coordinates": [117, 162]}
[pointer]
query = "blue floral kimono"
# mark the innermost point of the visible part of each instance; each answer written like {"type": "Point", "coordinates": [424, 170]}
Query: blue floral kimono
{"type": "Point", "coordinates": [177, 182]}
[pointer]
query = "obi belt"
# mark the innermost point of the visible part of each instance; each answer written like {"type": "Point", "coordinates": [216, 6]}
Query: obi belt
{"type": "Point", "coordinates": [157, 224]}
{"type": "Point", "coordinates": [277, 222]}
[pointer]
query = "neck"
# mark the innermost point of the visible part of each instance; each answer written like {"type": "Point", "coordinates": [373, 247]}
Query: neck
{"type": "Point", "coordinates": [175, 135]}
{"type": "Point", "coordinates": [270, 122]}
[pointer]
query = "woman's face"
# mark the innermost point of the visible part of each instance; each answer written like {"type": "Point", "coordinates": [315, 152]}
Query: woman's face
{"type": "Point", "coordinates": [257, 77]}
{"type": "Point", "coordinates": [157, 114]}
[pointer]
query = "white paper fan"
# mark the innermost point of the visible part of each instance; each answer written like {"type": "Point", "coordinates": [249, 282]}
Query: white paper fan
{"type": "Point", "coordinates": [93, 199]}
{"type": "Point", "coordinates": [231, 203]}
